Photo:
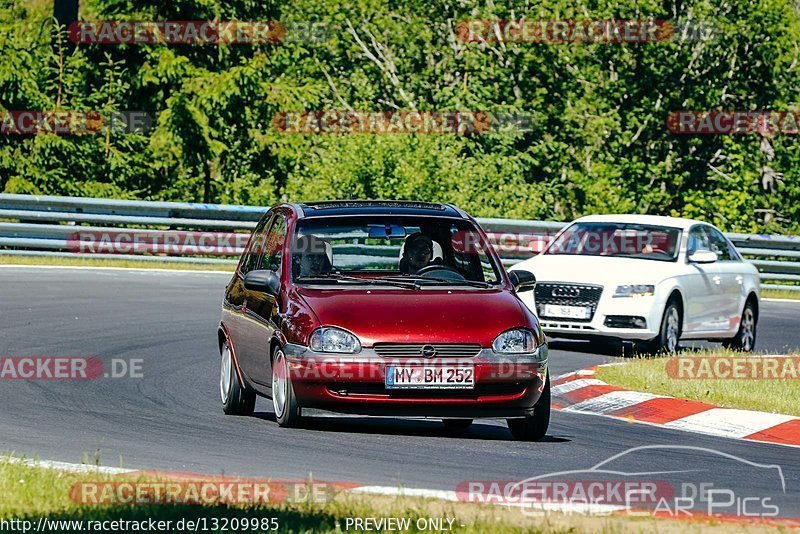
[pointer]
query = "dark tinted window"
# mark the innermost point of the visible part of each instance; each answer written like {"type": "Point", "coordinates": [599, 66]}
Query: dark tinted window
{"type": "Point", "coordinates": [698, 240]}
{"type": "Point", "coordinates": [720, 245]}
{"type": "Point", "coordinates": [273, 251]}
{"type": "Point", "coordinates": [252, 255]}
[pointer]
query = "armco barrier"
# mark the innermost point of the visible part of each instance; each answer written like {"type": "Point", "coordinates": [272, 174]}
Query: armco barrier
{"type": "Point", "coordinates": [215, 233]}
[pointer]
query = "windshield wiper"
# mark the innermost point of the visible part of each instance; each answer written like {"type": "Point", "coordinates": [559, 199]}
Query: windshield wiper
{"type": "Point", "coordinates": [443, 281]}
{"type": "Point", "coordinates": [369, 281]}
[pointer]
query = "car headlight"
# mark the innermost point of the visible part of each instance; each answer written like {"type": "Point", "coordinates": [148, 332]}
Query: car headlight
{"type": "Point", "coordinates": [639, 290]}
{"type": "Point", "coordinates": [332, 339]}
{"type": "Point", "coordinates": [516, 341]}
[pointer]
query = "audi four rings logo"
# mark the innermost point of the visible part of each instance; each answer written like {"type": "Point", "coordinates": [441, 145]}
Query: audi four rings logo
{"type": "Point", "coordinates": [566, 291]}
{"type": "Point", "coordinates": [428, 351]}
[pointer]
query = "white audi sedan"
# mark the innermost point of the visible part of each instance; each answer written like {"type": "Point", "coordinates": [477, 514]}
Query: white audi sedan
{"type": "Point", "coordinates": [646, 279]}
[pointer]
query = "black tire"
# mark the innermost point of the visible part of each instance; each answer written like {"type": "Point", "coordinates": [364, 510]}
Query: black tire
{"type": "Point", "coordinates": [669, 333]}
{"type": "Point", "coordinates": [454, 425]}
{"type": "Point", "coordinates": [236, 398]}
{"type": "Point", "coordinates": [745, 339]}
{"type": "Point", "coordinates": [284, 403]}
{"type": "Point", "coordinates": [533, 427]}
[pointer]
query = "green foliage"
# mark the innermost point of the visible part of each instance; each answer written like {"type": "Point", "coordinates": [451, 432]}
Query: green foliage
{"type": "Point", "coordinates": [598, 141]}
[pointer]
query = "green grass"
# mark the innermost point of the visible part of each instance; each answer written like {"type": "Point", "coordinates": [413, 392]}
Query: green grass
{"type": "Point", "coordinates": [99, 262]}
{"type": "Point", "coordinates": [29, 493]}
{"type": "Point", "coordinates": [779, 293]}
{"type": "Point", "coordinates": [648, 374]}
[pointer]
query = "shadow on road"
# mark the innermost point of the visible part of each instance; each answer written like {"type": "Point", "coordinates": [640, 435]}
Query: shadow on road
{"type": "Point", "coordinates": [406, 427]}
{"type": "Point", "coordinates": [617, 349]}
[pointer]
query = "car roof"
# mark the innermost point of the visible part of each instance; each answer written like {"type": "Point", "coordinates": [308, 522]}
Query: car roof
{"type": "Point", "coordinates": [377, 207]}
{"type": "Point", "coordinates": [659, 220]}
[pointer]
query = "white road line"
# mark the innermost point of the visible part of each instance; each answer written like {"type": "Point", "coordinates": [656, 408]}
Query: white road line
{"type": "Point", "coordinates": [448, 495]}
{"type": "Point", "coordinates": [795, 301]}
{"type": "Point", "coordinates": [728, 422]}
{"type": "Point", "coordinates": [64, 466]}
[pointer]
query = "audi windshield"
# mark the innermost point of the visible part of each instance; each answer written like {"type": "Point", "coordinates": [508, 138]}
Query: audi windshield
{"type": "Point", "coordinates": [622, 240]}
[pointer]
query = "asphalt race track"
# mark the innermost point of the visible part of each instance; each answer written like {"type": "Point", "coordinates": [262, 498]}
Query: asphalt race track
{"type": "Point", "coordinates": [172, 419]}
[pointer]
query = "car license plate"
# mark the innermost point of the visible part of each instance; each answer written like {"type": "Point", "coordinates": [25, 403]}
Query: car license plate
{"type": "Point", "coordinates": [430, 377]}
{"type": "Point", "coordinates": [570, 312]}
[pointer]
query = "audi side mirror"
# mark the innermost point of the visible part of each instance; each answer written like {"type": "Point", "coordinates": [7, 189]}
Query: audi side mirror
{"type": "Point", "coordinates": [263, 281]}
{"type": "Point", "coordinates": [522, 280]}
{"type": "Point", "coordinates": [702, 256]}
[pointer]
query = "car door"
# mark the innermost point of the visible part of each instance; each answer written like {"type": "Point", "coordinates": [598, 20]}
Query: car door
{"type": "Point", "coordinates": [731, 273]}
{"type": "Point", "coordinates": [703, 287]}
{"type": "Point", "coordinates": [261, 309]}
{"type": "Point", "coordinates": [236, 296]}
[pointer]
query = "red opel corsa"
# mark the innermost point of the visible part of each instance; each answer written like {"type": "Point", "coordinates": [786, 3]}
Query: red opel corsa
{"type": "Point", "coordinates": [381, 308]}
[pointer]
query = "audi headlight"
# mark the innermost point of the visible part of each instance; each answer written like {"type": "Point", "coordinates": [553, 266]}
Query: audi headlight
{"type": "Point", "coordinates": [332, 339]}
{"type": "Point", "coordinates": [640, 290]}
{"type": "Point", "coordinates": [516, 341]}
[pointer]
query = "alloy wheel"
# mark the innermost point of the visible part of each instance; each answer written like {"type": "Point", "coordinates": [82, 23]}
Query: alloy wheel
{"type": "Point", "coordinates": [673, 329]}
{"type": "Point", "coordinates": [225, 375]}
{"type": "Point", "coordinates": [279, 383]}
{"type": "Point", "coordinates": [748, 329]}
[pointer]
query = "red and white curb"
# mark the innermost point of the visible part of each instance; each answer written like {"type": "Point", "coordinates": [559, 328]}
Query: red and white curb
{"type": "Point", "coordinates": [582, 392]}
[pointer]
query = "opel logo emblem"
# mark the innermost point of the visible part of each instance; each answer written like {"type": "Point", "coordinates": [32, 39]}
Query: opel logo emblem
{"type": "Point", "coordinates": [566, 292]}
{"type": "Point", "coordinates": [428, 351]}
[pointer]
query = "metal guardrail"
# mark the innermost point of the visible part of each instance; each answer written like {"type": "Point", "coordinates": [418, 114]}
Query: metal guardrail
{"type": "Point", "coordinates": [65, 226]}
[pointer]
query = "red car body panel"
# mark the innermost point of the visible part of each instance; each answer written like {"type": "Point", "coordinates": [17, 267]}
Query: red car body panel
{"type": "Point", "coordinates": [404, 316]}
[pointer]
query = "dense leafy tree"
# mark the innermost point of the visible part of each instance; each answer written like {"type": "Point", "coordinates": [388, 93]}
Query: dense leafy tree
{"type": "Point", "coordinates": [598, 140]}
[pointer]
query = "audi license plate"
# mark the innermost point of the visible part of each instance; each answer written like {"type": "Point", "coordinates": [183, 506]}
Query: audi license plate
{"type": "Point", "coordinates": [430, 377]}
{"type": "Point", "coordinates": [569, 312]}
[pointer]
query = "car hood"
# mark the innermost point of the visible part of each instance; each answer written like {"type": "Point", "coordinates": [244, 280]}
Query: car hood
{"type": "Point", "coordinates": [602, 270]}
{"type": "Point", "coordinates": [418, 316]}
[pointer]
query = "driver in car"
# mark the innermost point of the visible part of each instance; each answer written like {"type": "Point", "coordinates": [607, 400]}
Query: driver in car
{"type": "Point", "coordinates": [417, 253]}
{"type": "Point", "coordinates": [310, 257]}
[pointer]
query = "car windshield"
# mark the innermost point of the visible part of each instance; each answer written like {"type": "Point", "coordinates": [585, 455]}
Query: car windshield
{"type": "Point", "coordinates": [403, 251]}
{"type": "Point", "coordinates": [624, 240]}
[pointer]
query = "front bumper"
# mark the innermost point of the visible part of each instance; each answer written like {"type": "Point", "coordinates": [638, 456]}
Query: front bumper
{"type": "Point", "coordinates": [610, 314]}
{"type": "Point", "coordinates": [505, 386]}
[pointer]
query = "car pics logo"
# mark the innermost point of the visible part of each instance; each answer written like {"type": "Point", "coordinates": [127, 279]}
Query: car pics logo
{"type": "Point", "coordinates": [68, 368]}
{"type": "Point", "coordinates": [602, 490]}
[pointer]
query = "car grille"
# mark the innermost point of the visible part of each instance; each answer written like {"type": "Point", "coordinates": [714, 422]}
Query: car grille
{"type": "Point", "coordinates": [414, 350]}
{"type": "Point", "coordinates": [567, 295]}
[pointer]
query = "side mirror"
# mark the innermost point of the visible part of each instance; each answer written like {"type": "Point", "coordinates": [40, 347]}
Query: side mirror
{"type": "Point", "coordinates": [264, 281]}
{"type": "Point", "coordinates": [522, 280]}
{"type": "Point", "coordinates": [702, 256]}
